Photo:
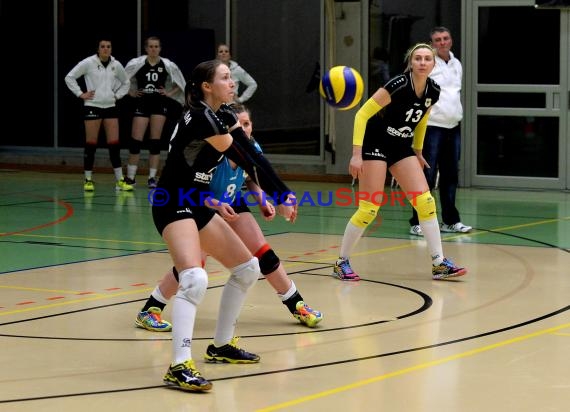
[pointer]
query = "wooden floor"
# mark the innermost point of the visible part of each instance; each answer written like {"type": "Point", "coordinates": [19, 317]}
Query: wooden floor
{"type": "Point", "coordinates": [75, 270]}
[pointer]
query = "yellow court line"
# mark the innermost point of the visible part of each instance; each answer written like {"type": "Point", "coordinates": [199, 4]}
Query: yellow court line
{"type": "Point", "coordinates": [288, 265]}
{"type": "Point", "coordinates": [410, 369]}
{"type": "Point", "coordinates": [92, 296]}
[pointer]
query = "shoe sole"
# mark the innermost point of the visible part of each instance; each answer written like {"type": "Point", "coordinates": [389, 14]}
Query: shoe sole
{"type": "Point", "coordinates": [308, 323]}
{"type": "Point", "coordinates": [141, 325]}
{"type": "Point", "coordinates": [189, 388]}
{"type": "Point", "coordinates": [355, 278]}
{"type": "Point", "coordinates": [454, 275]}
{"type": "Point", "coordinates": [219, 359]}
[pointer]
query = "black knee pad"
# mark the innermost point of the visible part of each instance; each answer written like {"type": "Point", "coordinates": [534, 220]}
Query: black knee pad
{"type": "Point", "coordinates": [115, 154]}
{"type": "Point", "coordinates": [268, 262]}
{"type": "Point", "coordinates": [134, 146]}
{"type": "Point", "coordinates": [89, 156]}
{"type": "Point", "coordinates": [154, 146]}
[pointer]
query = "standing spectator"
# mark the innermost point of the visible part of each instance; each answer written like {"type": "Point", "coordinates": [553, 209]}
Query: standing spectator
{"type": "Point", "coordinates": [388, 135]}
{"type": "Point", "coordinates": [442, 145]}
{"type": "Point", "coordinates": [207, 131]}
{"type": "Point", "coordinates": [106, 81]}
{"type": "Point", "coordinates": [154, 80]}
{"type": "Point", "coordinates": [239, 75]}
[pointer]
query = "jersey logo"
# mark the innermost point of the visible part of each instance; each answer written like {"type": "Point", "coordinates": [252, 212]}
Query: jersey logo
{"type": "Point", "coordinates": [203, 177]}
{"type": "Point", "coordinates": [428, 102]}
{"type": "Point", "coordinates": [403, 132]}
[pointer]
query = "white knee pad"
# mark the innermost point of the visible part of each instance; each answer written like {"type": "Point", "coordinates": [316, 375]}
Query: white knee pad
{"type": "Point", "coordinates": [245, 275]}
{"type": "Point", "coordinates": [192, 285]}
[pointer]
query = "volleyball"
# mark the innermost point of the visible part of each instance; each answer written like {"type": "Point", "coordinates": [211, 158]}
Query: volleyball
{"type": "Point", "coordinates": [342, 87]}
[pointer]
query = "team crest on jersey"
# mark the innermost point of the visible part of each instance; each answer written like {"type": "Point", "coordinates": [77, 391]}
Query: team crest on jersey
{"type": "Point", "coordinates": [160, 69]}
{"type": "Point", "coordinates": [428, 102]}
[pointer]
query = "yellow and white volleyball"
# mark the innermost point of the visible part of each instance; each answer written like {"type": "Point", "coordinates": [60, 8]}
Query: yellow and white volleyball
{"type": "Point", "coordinates": [342, 87]}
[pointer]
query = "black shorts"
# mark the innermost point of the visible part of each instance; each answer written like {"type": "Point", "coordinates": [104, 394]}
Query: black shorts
{"type": "Point", "coordinates": [240, 207]}
{"type": "Point", "coordinates": [149, 104]}
{"type": "Point", "coordinates": [378, 145]}
{"type": "Point", "coordinates": [96, 113]}
{"type": "Point", "coordinates": [171, 212]}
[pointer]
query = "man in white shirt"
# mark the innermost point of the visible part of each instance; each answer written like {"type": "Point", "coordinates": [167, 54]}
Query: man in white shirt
{"type": "Point", "coordinates": [442, 144]}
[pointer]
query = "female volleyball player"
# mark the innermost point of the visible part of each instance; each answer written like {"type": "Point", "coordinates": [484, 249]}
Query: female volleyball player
{"type": "Point", "coordinates": [207, 130]}
{"type": "Point", "coordinates": [388, 134]}
{"type": "Point", "coordinates": [225, 185]}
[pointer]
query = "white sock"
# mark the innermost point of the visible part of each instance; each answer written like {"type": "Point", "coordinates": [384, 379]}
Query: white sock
{"type": "Point", "coordinates": [231, 303]}
{"type": "Point", "coordinates": [157, 294]}
{"type": "Point", "coordinates": [132, 171]}
{"type": "Point", "coordinates": [88, 174]}
{"type": "Point", "coordinates": [290, 292]}
{"type": "Point", "coordinates": [183, 317]}
{"type": "Point", "coordinates": [152, 173]}
{"type": "Point", "coordinates": [430, 229]}
{"type": "Point", "coordinates": [118, 173]}
{"type": "Point", "coordinates": [352, 235]}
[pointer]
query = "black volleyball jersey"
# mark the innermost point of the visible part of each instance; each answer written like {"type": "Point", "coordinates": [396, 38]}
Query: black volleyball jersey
{"type": "Point", "coordinates": [191, 160]}
{"type": "Point", "coordinates": [151, 78]}
{"type": "Point", "coordinates": [402, 115]}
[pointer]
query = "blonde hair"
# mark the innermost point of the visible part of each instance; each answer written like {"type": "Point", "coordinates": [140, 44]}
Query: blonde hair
{"type": "Point", "coordinates": [411, 50]}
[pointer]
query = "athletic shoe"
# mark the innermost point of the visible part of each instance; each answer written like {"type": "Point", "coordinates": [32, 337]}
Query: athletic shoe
{"type": "Point", "coordinates": [185, 376]}
{"type": "Point", "coordinates": [150, 320]}
{"type": "Point", "coordinates": [229, 353]}
{"type": "Point", "coordinates": [88, 186]}
{"type": "Point", "coordinates": [455, 228]}
{"type": "Point", "coordinates": [130, 181]}
{"type": "Point", "coordinates": [343, 271]}
{"type": "Point", "coordinates": [152, 183]}
{"type": "Point", "coordinates": [306, 315]}
{"type": "Point", "coordinates": [416, 230]}
{"type": "Point", "coordinates": [446, 269]}
{"type": "Point", "coordinates": [122, 185]}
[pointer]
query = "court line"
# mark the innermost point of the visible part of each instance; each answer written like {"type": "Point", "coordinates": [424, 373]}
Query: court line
{"type": "Point", "coordinates": [294, 264]}
{"type": "Point", "coordinates": [68, 213]}
{"type": "Point", "coordinates": [86, 239]}
{"type": "Point", "coordinates": [411, 369]}
{"type": "Point", "coordinates": [92, 296]}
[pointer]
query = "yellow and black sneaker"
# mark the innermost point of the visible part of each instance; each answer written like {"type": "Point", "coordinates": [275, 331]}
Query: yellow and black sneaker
{"type": "Point", "coordinates": [88, 186]}
{"type": "Point", "coordinates": [229, 353]}
{"type": "Point", "coordinates": [185, 376]}
{"type": "Point", "coordinates": [123, 186]}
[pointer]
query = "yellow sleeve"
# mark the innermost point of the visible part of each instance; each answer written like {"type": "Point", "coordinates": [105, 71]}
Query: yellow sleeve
{"type": "Point", "coordinates": [368, 109]}
{"type": "Point", "coordinates": [419, 134]}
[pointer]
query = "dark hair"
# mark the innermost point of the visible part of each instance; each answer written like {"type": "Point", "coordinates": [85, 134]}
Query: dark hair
{"type": "Point", "coordinates": [152, 38]}
{"type": "Point", "coordinates": [439, 29]}
{"type": "Point", "coordinates": [223, 44]}
{"type": "Point", "coordinates": [239, 108]}
{"type": "Point", "coordinates": [203, 72]}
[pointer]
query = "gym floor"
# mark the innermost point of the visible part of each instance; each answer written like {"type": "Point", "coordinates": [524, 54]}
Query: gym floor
{"type": "Point", "coordinates": [75, 270]}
